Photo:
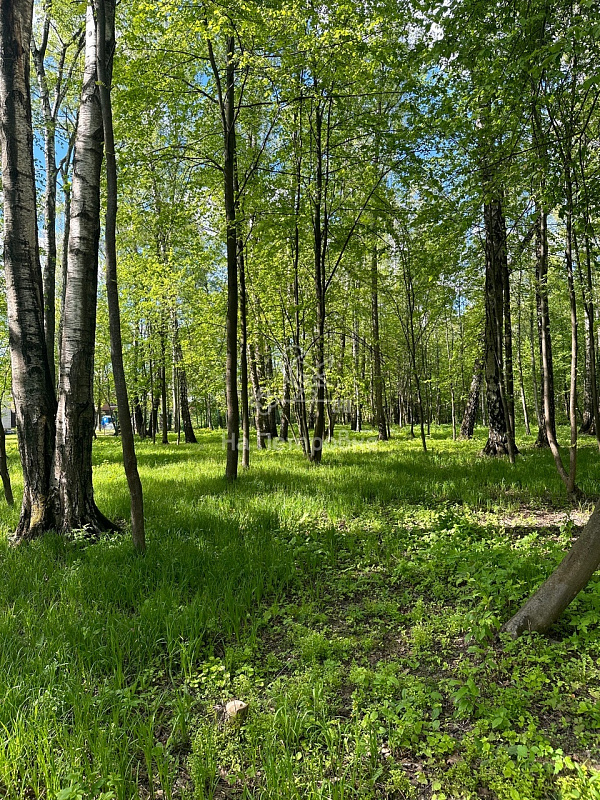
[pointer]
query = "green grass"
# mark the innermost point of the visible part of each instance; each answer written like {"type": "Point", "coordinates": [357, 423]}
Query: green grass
{"type": "Point", "coordinates": [354, 606]}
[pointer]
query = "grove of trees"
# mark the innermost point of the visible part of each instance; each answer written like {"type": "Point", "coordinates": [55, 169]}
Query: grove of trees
{"type": "Point", "coordinates": [328, 214]}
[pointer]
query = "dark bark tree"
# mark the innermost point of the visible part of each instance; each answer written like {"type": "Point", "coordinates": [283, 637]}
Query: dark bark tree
{"type": "Point", "coordinates": [105, 35]}
{"type": "Point", "coordinates": [286, 404]}
{"type": "Point", "coordinates": [320, 234]}
{"type": "Point", "coordinates": [500, 436]}
{"type": "Point", "coordinates": [411, 342]}
{"type": "Point", "coordinates": [570, 484]}
{"type": "Point", "coordinates": [4, 473]}
{"type": "Point", "coordinates": [244, 354]}
{"type": "Point", "coordinates": [449, 353]}
{"type": "Point", "coordinates": [32, 381]}
{"type": "Point", "coordinates": [382, 433]}
{"type": "Point", "coordinates": [356, 421]}
{"type": "Point", "coordinates": [226, 95]}
{"type": "Point", "coordinates": [261, 413]}
{"type": "Point", "coordinates": [547, 410]}
{"type": "Point", "coordinates": [162, 375]}
{"type": "Point", "coordinates": [591, 411]}
{"type": "Point", "coordinates": [298, 373]}
{"type": "Point", "coordinates": [138, 411]}
{"type": "Point", "coordinates": [546, 352]}
{"type": "Point", "coordinates": [520, 358]}
{"type": "Point", "coordinates": [182, 389]}
{"type": "Point", "coordinates": [267, 371]}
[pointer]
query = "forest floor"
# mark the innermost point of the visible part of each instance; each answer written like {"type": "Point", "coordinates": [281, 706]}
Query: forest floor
{"type": "Point", "coordinates": [355, 607]}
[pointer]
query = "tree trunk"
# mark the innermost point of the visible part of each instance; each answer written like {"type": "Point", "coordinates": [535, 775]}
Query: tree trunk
{"type": "Point", "coordinates": [500, 440]}
{"type": "Point", "coordinates": [4, 473]}
{"type": "Point", "coordinates": [244, 357]}
{"type": "Point", "coordinates": [66, 186]}
{"type": "Point", "coordinates": [49, 269]}
{"type": "Point", "coordinates": [138, 417]}
{"type": "Point", "coordinates": [286, 406]}
{"type": "Point", "coordinates": [320, 249]}
{"type": "Point", "coordinates": [450, 353]}
{"type": "Point", "coordinates": [520, 360]}
{"type": "Point", "coordinates": [184, 403]}
{"type": "Point", "coordinates": [541, 440]}
{"type": "Point", "coordinates": [563, 585]}
{"type": "Point", "coordinates": [543, 314]}
{"type": "Point", "coordinates": [228, 114]}
{"type": "Point", "coordinates": [382, 434]}
{"type": "Point", "coordinates": [105, 34]}
{"type": "Point", "coordinates": [545, 342]}
{"type": "Point", "coordinates": [298, 322]}
{"type": "Point", "coordinates": [32, 381]}
{"type": "Point", "coordinates": [570, 483]}
{"type": "Point", "coordinates": [164, 411]}
{"type": "Point", "coordinates": [591, 412]}
{"type": "Point", "coordinates": [261, 413]}
{"type": "Point", "coordinates": [272, 404]}
{"type": "Point", "coordinates": [155, 400]}
{"type": "Point", "coordinates": [355, 424]}
{"type": "Point", "coordinates": [508, 341]}
{"type": "Point", "coordinates": [587, 421]}
{"type": "Point", "coordinates": [469, 417]}
{"type": "Point", "coordinates": [75, 504]}
{"type": "Point", "coordinates": [592, 352]}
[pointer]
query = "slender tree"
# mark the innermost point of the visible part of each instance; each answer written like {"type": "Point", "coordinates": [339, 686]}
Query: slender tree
{"type": "Point", "coordinates": [105, 19]}
{"type": "Point", "coordinates": [32, 381]}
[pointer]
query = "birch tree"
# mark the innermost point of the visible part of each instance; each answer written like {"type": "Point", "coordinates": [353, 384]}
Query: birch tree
{"type": "Point", "coordinates": [32, 382]}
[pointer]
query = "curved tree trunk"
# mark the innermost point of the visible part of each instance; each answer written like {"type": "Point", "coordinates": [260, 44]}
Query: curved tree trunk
{"type": "Point", "coordinates": [32, 382]}
{"type": "Point", "coordinates": [547, 604]}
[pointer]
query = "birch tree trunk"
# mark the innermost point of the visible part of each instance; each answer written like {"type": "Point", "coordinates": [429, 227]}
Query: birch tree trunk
{"type": "Point", "coordinates": [74, 494]}
{"type": "Point", "coordinates": [49, 270]}
{"type": "Point", "coordinates": [51, 106]}
{"type": "Point", "coordinates": [469, 417]}
{"type": "Point", "coordinates": [33, 387]}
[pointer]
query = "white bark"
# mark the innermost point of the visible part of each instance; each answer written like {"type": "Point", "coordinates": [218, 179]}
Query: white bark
{"type": "Point", "coordinates": [32, 387]}
{"type": "Point", "coordinates": [75, 416]}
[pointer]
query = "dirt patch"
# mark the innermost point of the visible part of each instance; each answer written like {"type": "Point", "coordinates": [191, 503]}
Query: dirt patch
{"type": "Point", "coordinates": [540, 518]}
